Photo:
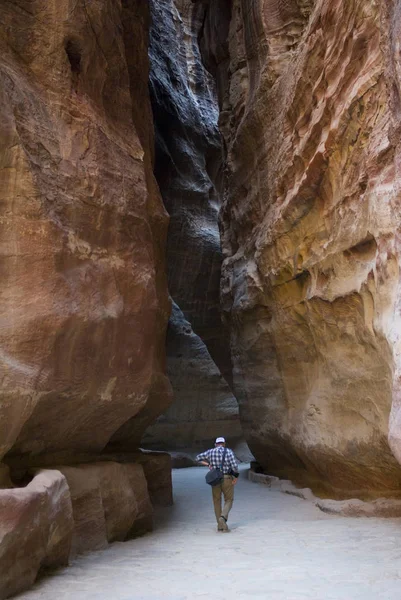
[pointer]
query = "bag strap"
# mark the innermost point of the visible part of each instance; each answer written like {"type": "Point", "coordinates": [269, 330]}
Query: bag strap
{"type": "Point", "coordinates": [223, 459]}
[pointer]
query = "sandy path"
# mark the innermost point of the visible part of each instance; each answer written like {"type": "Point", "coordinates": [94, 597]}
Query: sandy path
{"type": "Point", "coordinates": [280, 548]}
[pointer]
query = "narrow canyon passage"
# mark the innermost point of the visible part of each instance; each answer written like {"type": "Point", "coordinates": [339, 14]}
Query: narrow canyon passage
{"type": "Point", "coordinates": [280, 547]}
{"type": "Point", "coordinates": [200, 217]}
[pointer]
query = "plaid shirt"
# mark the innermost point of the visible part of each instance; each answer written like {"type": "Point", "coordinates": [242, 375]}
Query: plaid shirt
{"type": "Point", "coordinates": [214, 456]}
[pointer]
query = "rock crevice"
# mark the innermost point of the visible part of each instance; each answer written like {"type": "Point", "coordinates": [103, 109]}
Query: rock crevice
{"type": "Point", "coordinates": [189, 170]}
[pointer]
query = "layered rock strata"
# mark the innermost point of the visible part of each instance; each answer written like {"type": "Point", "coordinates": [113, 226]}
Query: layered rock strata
{"type": "Point", "coordinates": [84, 301]}
{"type": "Point", "coordinates": [310, 280]}
{"type": "Point", "coordinates": [188, 162]}
{"type": "Point", "coordinates": [188, 168]}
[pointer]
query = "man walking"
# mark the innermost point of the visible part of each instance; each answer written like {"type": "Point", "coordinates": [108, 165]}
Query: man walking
{"type": "Point", "coordinates": [213, 459]}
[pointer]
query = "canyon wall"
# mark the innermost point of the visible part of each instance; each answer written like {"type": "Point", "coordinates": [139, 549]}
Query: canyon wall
{"type": "Point", "coordinates": [203, 406]}
{"type": "Point", "coordinates": [84, 299]}
{"type": "Point", "coordinates": [83, 303]}
{"type": "Point", "coordinates": [310, 234]}
{"type": "Point", "coordinates": [281, 116]}
{"type": "Point", "coordinates": [188, 168]}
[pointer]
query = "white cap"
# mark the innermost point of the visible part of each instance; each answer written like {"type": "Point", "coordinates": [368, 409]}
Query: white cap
{"type": "Point", "coordinates": [220, 440]}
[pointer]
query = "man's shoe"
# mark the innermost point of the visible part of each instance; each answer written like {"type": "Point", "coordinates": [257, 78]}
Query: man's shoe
{"type": "Point", "coordinates": [222, 524]}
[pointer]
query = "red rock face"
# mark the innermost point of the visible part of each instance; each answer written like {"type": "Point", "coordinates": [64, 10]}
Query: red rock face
{"type": "Point", "coordinates": [83, 302]}
{"type": "Point", "coordinates": [110, 502]}
{"type": "Point", "coordinates": [36, 529]}
{"type": "Point", "coordinates": [73, 509]}
{"type": "Point", "coordinates": [310, 234]}
{"type": "Point", "coordinates": [84, 299]}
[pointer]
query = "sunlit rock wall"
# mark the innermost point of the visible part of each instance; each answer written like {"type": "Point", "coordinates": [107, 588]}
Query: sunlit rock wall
{"type": "Point", "coordinates": [310, 234]}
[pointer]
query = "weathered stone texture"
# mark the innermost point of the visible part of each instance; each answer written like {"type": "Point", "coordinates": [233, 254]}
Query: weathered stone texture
{"type": "Point", "coordinates": [110, 502]}
{"type": "Point", "coordinates": [36, 528]}
{"type": "Point", "coordinates": [69, 510]}
{"type": "Point", "coordinates": [310, 236]}
{"type": "Point", "coordinates": [83, 300]}
{"type": "Point", "coordinates": [203, 406]}
{"type": "Point", "coordinates": [157, 469]}
{"type": "Point", "coordinates": [188, 167]}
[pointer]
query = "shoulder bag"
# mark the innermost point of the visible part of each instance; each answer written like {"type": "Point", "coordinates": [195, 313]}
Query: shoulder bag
{"type": "Point", "coordinates": [215, 476]}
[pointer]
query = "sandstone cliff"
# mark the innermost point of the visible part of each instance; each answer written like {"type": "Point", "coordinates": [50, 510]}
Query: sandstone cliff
{"type": "Point", "coordinates": [310, 280]}
{"type": "Point", "coordinates": [203, 406]}
{"type": "Point", "coordinates": [189, 157]}
{"type": "Point", "coordinates": [83, 302]}
{"type": "Point", "coordinates": [188, 167]}
{"type": "Point", "coordinates": [307, 96]}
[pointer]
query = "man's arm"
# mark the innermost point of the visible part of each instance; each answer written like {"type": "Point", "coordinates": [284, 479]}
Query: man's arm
{"type": "Point", "coordinates": [203, 458]}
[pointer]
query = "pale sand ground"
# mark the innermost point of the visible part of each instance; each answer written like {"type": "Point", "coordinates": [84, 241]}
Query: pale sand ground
{"type": "Point", "coordinates": [280, 548]}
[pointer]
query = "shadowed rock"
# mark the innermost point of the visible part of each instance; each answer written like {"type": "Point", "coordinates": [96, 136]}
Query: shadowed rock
{"type": "Point", "coordinates": [204, 406]}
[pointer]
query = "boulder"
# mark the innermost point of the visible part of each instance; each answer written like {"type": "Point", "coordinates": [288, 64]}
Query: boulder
{"type": "Point", "coordinates": [110, 502]}
{"type": "Point", "coordinates": [36, 529]}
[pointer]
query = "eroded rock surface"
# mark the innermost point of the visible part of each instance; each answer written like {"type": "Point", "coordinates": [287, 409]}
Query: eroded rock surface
{"type": "Point", "coordinates": [36, 529]}
{"type": "Point", "coordinates": [83, 301]}
{"type": "Point", "coordinates": [310, 236]}
{"type": "Point", "coordinates": [110, 501]}
{"type": "Point", "coordinates": [188, 160]}
{"type": "Point", "coordinates": [188, 167]}
{"type": "Point", "coordinates": [203, 406]}
{"type": "Point", "coordinates": [69, 510]}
